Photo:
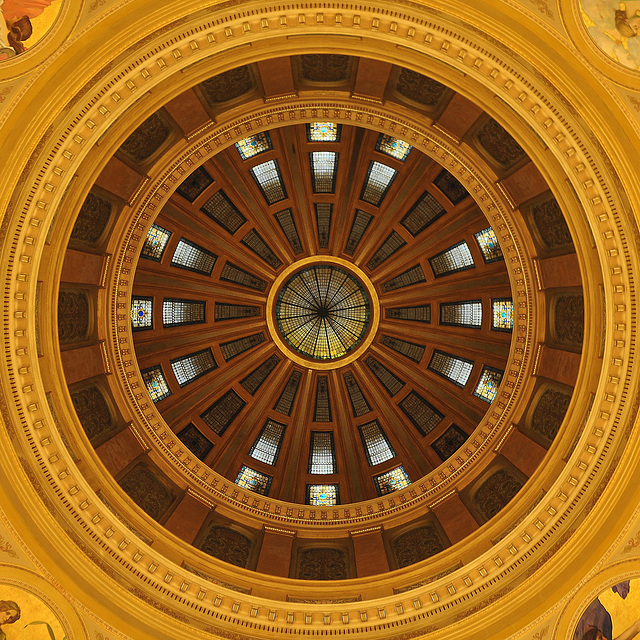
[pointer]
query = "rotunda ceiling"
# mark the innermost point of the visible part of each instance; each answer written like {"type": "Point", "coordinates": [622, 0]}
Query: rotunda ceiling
{"type": "Point", "coordinates": [323, 315]}
{"type": "Point", "coordinates": [226, 459]}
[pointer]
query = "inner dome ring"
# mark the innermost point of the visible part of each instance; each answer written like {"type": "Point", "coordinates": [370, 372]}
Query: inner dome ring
{"type": "Point", "coordinates": [354, 273]}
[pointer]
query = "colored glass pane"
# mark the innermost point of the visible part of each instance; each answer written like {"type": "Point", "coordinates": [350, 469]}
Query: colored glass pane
{"type": "Point", "coordinates": [253, 145]}
{"type": "Point", "coordinates": [488, 243]}
{"type": "Point", "coordinates": [487, 387]}
{"type": "Point", "coordinates": [391, 481]}
{"type": "Point", "coordinates": [155, 242]}
{"type": "Point", "coordinates": [141, 313]}
{"type": "Point", "coordinates": [323, 132]}
{"type": "Point", "coordinates": [323, 495]}
{"type": "Point", "coordinates": [393, 147]}
{"type": "Point", "coordinates": [253, 480]}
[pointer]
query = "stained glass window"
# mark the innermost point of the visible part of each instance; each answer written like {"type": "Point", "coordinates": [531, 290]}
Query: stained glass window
{"type": "Point", "coordinates": [254, 241]}
{"type": "Point", "coordinates": [223, 412]}
{"type": "Point", "coordinates": [221, 210]}
{"type": "Point", "coordinates": [421, 313]}
{"type": "Point", "coordinates": [379, 179]}
{"type": "Point", "coordinates": [187, 368]}
{"type": "Point", "coordinates": [488, 243]}
{"type": "Point", "coordinates": [141, 313]}
{"type": "Point", "coordinates": [323, 495]}
{"type": "Point", "coordinates": [323, 132]}
{"type": "Point", "coordinates": [455, 258]}
{"type": "Point", "coordinates": [269, 180]}
{"type": "Point", "coordinates": [359, 403]}
{"type": "Point", "coordinates": [322, 312]}
{"type": "Point", "coordinates": [487, 387]}
{"type": "Point", "coordinates": [253, 145]}
{"type": "Point", "coordinates": [462, 314]}
{"type": "Point", "coordinates": [412, 276]}
{"type": "Point", "coordinates": [254, 480]}
{"type": "Point", "coordinates": [423, 414]}
{"type": "Point", "coordinates": [227, 311]}
{"type": "Point", "coordinates": [322, 409]}
{"type": "Point", "coordinates": [422, 214]}
{"type": "Point", "coordinates": [391, 481]}
{"type": "Point", "coordinates": [322, 455]}
{"type": "Point", "coordinates": [323, 223]}
{"type": "Point", "coordinates": [234, 348]}
{"type": "Point", "coordinates": [155, 243]}
{"type": "Point", "coordinates": [393, 243]}
{"type": "Point", "coordinates": [323, 170]}
{"type": "Point", "coordinates": [288, 395]}
{"type": "Point", "coordinates": [267, 445]}
{"type": "Point", "coordinates": [387, 378]}
{"type": "Point", "coordinates": [197, 443]}
{"type": "Point", "coordinates": [176, 313]}
{"type": "Point", "coordinates": [502, 314]}
{"type": "Point", "coordinates": [258, 376]}
{"type": "Point", "coordinates": [361, 221]}
{"type": "Point", "coordinates": [453, 368]}
{"type": "Point", "coordinates": [288, 225]}
{"type": "Point", "coordinates": [190, 256]}
{"type": "Point", "coordinates": [376, 444]}
{"type": "Point", "coordinates": [156, 384]}
{"type": "Point", "coordinates": [393, 147]}
{"type": "Point", "coordinates": [231, 273]}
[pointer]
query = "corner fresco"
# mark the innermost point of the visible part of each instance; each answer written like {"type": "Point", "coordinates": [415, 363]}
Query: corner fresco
{"type": "Point", "coordinates": [613, 26]}
{"type": "Point", "coordinates": [23, 23]}
{"type": "Point", "coordinates": [613, 615]}
{"type": "Point", "coordinates": [25, 616]}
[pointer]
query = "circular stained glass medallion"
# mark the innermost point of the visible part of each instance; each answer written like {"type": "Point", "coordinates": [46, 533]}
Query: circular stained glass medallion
{"type": "Point", "coordinates": [322, 312]}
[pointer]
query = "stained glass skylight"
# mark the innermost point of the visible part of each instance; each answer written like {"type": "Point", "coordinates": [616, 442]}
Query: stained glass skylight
{"type": "Point", "coordinates": [253, 480]}
{"type": "Point", "coordinates": [322, 455]}
{"type": "Point", "coordinates": [393, 147]}
{"type": "Point", "coordinates": [323, 132]}
{"type": "Point", "coordinates": [453, 368]}
{"type": "Point", "coordinates": [322, 312]}
{"type": "Point", "coordinates": [141, 313]}
{"type": "Point", "coordinates": [176, 313]}
{"type": "Point", "coordinates": [391, 481]}
{"type": "Point", "coordinates": [253, 145]}
{"type": "Point", "coordinates": [376, 444]}
{"type": "Point", "coordinates": [190, 256]}
{"type": "Point", "coordinates": [462, 314]}
{"type": "Point", "coordinates": [455, 258]}
{"type": "Point", "coordinates": [488, 243]}
{"type": "Point", "coordinates": [269, 180]}
{"type": "Point", "coordinates": [156, 384]}
{"type": "Point", "coordinates": [487, 387]}
{"type": "Point", "coordinates": [188, 368]}
{"type": "Point", "coordinates": [267, 445]}
{"type": "Point", "coordinates": [323, 495]}
{"type": "Point", "coordinates": [502, 314]}
{"type": "Point", "coordinates": [323, 170]}
{"type": "Point", "coordinates": [155, 242]}
{"type": "Point", "coordinates": [379, 179]}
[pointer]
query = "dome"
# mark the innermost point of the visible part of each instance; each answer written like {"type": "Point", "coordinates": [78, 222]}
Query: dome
{"type": "Point", "coordinates": [320, 325]}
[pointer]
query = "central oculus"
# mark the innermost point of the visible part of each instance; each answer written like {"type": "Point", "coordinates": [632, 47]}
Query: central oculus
{"type": "Point", "coordinates": [323, 312]}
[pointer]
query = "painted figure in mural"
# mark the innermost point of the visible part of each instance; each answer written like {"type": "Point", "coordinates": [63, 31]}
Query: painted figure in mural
{"type": "Point", "coordinates": [614, 27]}
{"type": "Point", "coordinates": [596, 623]}
{"type": "Point", "coordinates": [9, 613]}
{"type": "Point", "coordinates": [627, 25]}
{"type": "Point", "coordinates": [16, 26]}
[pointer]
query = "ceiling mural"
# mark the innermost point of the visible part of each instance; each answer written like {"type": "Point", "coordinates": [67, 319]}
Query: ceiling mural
{"type": "Point", "coordinates": [23, 23]}
{"type": "Point", "coordinates": [613, 26]}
